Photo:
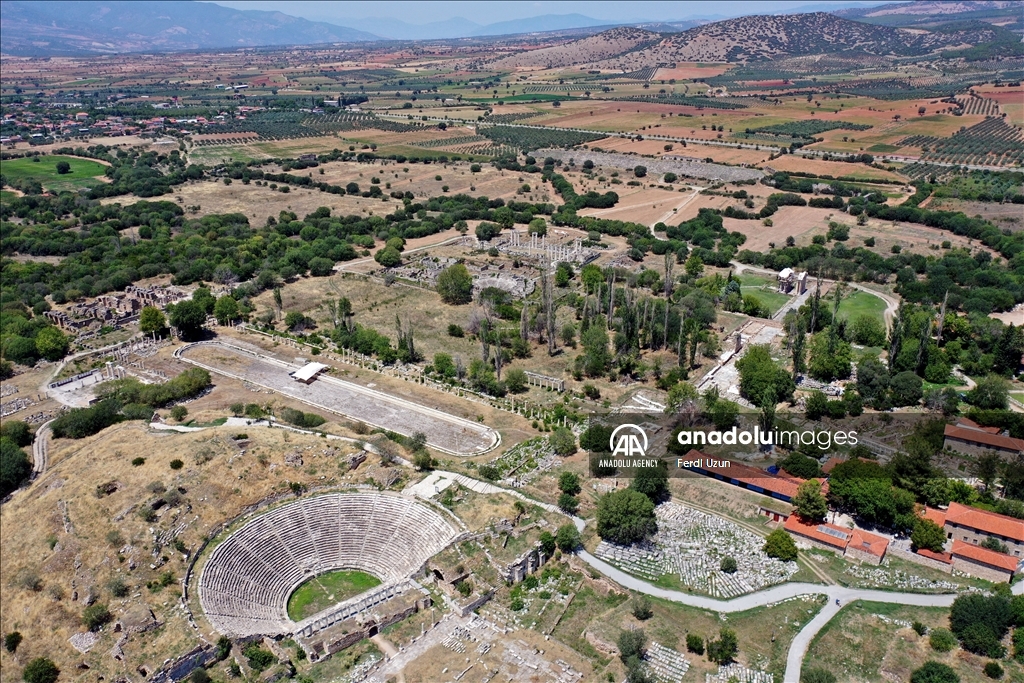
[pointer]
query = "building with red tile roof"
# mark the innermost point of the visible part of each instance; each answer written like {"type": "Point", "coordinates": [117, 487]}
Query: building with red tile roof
{"type": "Point", "coordinates": [851, 543]}
{"type": "Point", "coordinates": [973, 525]}
{"type": "Point", "coordinates": [980, 442]}
{"type": "Point", "coordinates": [945, 558]}
{"type": "Point", "coordinates": [780, 486]}
{"type": "Point", "coordinates": [936, 515]}
{"type": "Point", "coordinates": [983, 563]}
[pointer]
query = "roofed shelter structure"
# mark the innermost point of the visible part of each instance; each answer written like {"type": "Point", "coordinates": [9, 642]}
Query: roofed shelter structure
{"type": "Point", "coordinates": [308, 372]}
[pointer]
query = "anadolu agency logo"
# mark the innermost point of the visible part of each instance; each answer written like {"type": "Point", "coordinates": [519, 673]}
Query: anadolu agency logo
{"type": "Point", "coordinates": [628, 444]}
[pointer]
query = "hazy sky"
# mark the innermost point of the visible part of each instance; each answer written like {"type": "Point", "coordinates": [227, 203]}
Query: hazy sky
{"type": "Point", "coordinates": [491, 12]}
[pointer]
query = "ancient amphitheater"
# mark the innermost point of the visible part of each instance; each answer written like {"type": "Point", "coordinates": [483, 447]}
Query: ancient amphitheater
{"type": "Point", "coordinates": [245, 585]}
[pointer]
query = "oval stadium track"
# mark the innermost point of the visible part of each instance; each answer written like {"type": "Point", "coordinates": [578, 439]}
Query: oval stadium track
{"type": "Point", "coordinates": [445, 432]}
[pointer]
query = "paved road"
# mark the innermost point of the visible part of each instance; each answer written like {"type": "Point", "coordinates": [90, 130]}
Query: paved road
{"type": "Point", "coordinates": [798, 649]}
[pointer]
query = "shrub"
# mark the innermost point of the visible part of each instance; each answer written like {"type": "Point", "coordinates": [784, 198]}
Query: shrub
{"type": "Point", "coordinates": [993, 670]}
{"type": "Point", "coordinates": [919, 628]}
{"type": "Point", "coordinates": [12, 640]}
{"type": "Point", "coordinates": [199, 675]}
{"type": "Point", "coordinates": [94, 616]}
{"type": "Point", "coordinates": [40, 670]}
{"type": "Point", "coordinates": [728, 565]}
{"type": "Point", "coordinates": [934, 672]}
{"type": "Point", "coordinates": [422, 460]}
{"type": "Point", "coordinates": [259, 659]}
{"type": "Point", "coordinates": [118, 588]}
{"type": "Point", "coordinates": [177, 464]}
{"type": "Point", "coordinates": [138, 462]}
{"type": "Point", "coordinates": [694, 644]}
{"type": "Point", "coordinates": [641, 608]}
{"type": "Point", "coordinates": [179, 413]}
{"type": "Point", "coordinates": [455, 331]}
{"type": "Point", "coordinates": [489, 472]}
{"type": "Point", "coordinates": [817, 675]}
{"type": "Point", "coordinates": [942, 640]}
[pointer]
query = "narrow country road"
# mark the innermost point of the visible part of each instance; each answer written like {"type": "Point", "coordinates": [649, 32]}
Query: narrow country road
{"type": "Point", "coordinates": [802, 641]}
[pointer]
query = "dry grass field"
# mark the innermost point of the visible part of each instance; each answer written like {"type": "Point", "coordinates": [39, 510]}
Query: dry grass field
{"type": "Point", "coordinates": [646, 206]}
{"type": "Point", "coordinates": [872, 641]}
{"type": "Point", "coordinates": [791, 162]}
{"type": "Point", "coordinates": [1006, 216]}
{"type": "Point", "coordinates": [63, 537]}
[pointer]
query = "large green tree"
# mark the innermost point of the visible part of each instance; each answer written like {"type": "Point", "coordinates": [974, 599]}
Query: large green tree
{"type": "Point", "coordinates": [152, 320]}
{"type": "Point", "coordinates": [226, 310]}
{"type": "Point", "coordinates": [780, 545]}
{"type": "Point", "coordinates": [810, 503]}
{"type": "Point", "coordinates": [762, 382]}
{"type": "Point", "coordinates": [51, 343]}
{"type": "Point", "coordinates": [652, 482]}
{"type": "Point", "coordinates": [830, 357]}
{"type": "Point", "coordinates": [14, 466]}
{"type": "Point", "coordinates": [188, 317]}
{"type": "Point", "coordinates": [928, 535]}
{"type": "Point", "coordinates": [625, 517]}
{"type": "Point", "coordinates": [455, 285]}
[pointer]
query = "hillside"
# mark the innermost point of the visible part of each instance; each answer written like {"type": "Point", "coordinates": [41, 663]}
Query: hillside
{"type": "Point", "coordinates": [764, 37]}
{"type": "Point", "coordinates": [927, 8]}
{"type": "Point", "coordinates": [98, 27]}
{"type": "Point", "coordinates": [603, 46]}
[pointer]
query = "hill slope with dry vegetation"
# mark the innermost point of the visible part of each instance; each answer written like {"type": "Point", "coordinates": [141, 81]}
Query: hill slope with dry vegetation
{"type": "Point", "coordinates": [604, 45]}
{"type": "Point", "coordinates": [764, 37]}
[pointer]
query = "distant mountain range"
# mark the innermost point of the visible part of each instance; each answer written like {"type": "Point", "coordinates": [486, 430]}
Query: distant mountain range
{"type": "Point", "coordinates": [100, 27]}
{"type": "Point", "coordinates": [59, 27]}
{"type": "Point", "coordinates": [464, 28]}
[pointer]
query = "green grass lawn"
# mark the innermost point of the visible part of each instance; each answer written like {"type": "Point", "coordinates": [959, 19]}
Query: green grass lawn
{"type": "Point", "coordinates": [327, 589]}
{"type": "Point", "coordinates": [772, 299]}
{"type": "Point", "coordinates": [861, 303]}
{"type": "Point", "coordinates": [7, 196]}
{"type": "Point", "coordinates": [83, 172]}
{"type": "Point", "coordinates": [752, 280]}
